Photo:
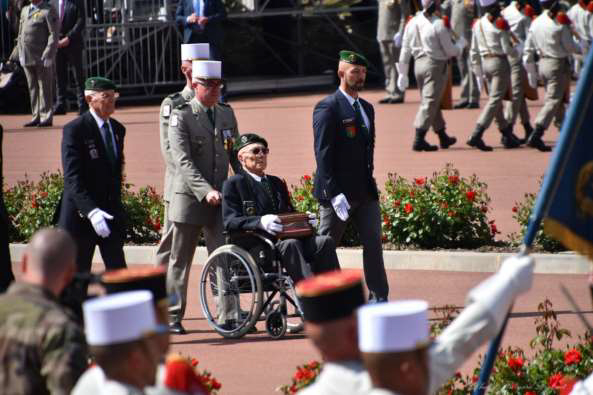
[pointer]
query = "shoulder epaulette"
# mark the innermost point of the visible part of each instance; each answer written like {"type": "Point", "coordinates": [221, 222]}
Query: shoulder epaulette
{"type": "Point", "coordinates": [181, 105]}
{"type": "Point", "coordinates": [590, 7]}
{"type": "Point", "coordinates": [177, 99]}
{"type": "Point", "coordinates": [528, 11]}
{"type": "Point", "coordinates": [502, 23]}
{"type": "Point", "coordinates": [446, 21]}
{"type": "Point", "coordinates": [225, 104]}
{"type": "Point", "coordinates": [563, 19]}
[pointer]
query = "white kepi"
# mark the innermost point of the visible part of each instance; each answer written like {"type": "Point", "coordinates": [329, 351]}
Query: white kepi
{"type": "Point", "coordinates": [195, 52]}
{"type": "Point", "coordinates": [119, 318]}
{"type": "Point", "coordinates": [207, 69]}
{"type": "Point", "coordinates": [393, 327]}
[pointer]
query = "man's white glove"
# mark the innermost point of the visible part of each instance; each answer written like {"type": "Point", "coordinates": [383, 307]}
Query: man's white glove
{"type": "Point", "coordinates": [271, 224]}
{"type": "Point", "coordinates": [531, 74]}
{"type": "Point", "coordinates": [47, 63]}
{"type": "Point", "coordinates": [312, 219]}
{"type": "Point", "coordinates": [402, 76]}
{"type": "Point", "coordinates": [397, 39]}
{"type": "Point", "coordinates": [518, 271]}
{"type": "Point", "coordinates": [461, 43]}
{"type": "Point", "coordinates": [519, 48]}
{"type": "Point", "coordinates": [98, 219]}
{"type": "Point", "coordinates": [341, 206]}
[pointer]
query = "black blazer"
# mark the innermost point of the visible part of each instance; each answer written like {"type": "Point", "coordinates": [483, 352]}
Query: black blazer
{"type": "Point", "coordinates": [90, 180]}
{"type": "Point", "coordinates": [213, 9]}
{"type": "Point", "coordinates": [343, 153]}
{"type": "Point", "coordinates": [244, 201]}
{"type": "Point", "coordinates": [73, 22]}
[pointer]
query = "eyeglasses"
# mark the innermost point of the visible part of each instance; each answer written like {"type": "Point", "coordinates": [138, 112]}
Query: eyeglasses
{"type": "Point", "coordinates": [211, 83]}
{"type": "Point", "coordinates": [257, 150]}
{"type": "Point", "coordinates": [107, 96]}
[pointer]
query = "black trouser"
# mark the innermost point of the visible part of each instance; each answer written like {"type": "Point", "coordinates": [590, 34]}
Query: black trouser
{"type": "Point", "coordinates": [297, 254]}
{"type": "Point", "coordinates": [64, 57]}
{"type": "Point", "coordinates": [367, 218]}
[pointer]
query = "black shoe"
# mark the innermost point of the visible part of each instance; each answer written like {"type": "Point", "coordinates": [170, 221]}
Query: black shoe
{"type": "Point", "coordinates": [385, 100]}
{"type": "Point", "coordinates": [46, 123]}
{"type": "Point", "coordinates": [462, 104]}
{"type": "Point", "coordinates": [396, 100]}
{"type": "Point", "coordinates": [34, 122]}
{"type": "Point", "coordinates": [424, 146]}
{"type": "Point", "coordinates": [59, 110]}
{"type": "Point", "coordinates": [508, 142]}
{"type": "Point", "coordinates": [445, 141]}
{"type": "Point", "coordinates": [473, 105]}
{"type": "Point", "coordinates": [537, 143]}
{"type": "Point", "coordinates": [478, 143]}
{"type": "Point", "coordinates": [177, 328]}
{"type": "Point", "coordinates": [528, 130]}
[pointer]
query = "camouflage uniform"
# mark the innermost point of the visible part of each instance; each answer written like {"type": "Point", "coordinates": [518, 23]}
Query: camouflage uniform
{"type": "Point", "coordinates": [42, 349]}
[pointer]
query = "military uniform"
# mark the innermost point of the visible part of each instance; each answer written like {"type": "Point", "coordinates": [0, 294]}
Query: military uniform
{"type": "Point", "coordinates": [37, 44]}
{"type": "Point", "coordinates": [519, 25]}
{"type": "Point", "coordinates": [201, 153]}
{"type": "Point", "coordinates": [392, 14]}
{"type": "Point", "coordinates": [582, 21]}
{"type": "Point", "coordinates": [167, 106]}
{"type": "Point", "coordinates": [491, 46]}
{"type": "Point", "coordinates": [43, 349]}
{"type": "Point", "coordinates": [429, 41]}
{"type": "Point", "coordinates": [551, 38]}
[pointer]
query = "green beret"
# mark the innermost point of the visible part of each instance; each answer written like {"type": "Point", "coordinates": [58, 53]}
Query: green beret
{"type": "Point", "coordinates": [353, 58]}
{"type": "Point", "coordinates": [249, 138]}
{"type": "Point", "coordinates": [99, 84]}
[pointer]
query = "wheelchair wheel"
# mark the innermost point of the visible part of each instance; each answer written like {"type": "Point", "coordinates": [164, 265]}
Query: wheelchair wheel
{"type": "Point", "coordinates": [231, 291]}
{"type": "Point", "coordinates": [276, 324]}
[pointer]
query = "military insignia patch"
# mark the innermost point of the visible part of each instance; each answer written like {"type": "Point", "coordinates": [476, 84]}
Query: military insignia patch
{"type": "Point", "coordinates": [174, 121]}
{"type": "Point", "coordinates": [166, 110]}
{"type": "Point", "coordinates": [350, 127]}
{"type": "Point", "coordinates": [249, 207]}
{"type": "Point", "coordinates": [94, 153]}
{"type": "Point", "coordinates": [352, 57]}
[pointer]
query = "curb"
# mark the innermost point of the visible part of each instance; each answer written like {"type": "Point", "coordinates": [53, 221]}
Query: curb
{"type": "Point", "coordinates": [455, 261]}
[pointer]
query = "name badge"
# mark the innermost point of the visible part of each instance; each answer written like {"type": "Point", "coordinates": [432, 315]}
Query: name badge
{"type": "Point", "coordinates": [348, 120]}
{"type": "Point", "coordinates": [227, 133]}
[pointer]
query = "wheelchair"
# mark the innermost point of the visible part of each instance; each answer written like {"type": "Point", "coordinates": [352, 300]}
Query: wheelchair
{"type": "Point", "coordinates": [243, 282]}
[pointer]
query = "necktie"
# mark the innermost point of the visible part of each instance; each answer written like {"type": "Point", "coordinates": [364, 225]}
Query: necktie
{"type": "Point", "coordinates": [359, 118]}
{"type": "Point", "coordinates": [211, 116]}
{"type": "Point", "coordinates": [196, 7]}
{"type": "Point", "coordinates": [109, 148]}
{"type": "Point", "coordinates": [268, 188]}
{"type": "Point", "coordinates": [62, 5]}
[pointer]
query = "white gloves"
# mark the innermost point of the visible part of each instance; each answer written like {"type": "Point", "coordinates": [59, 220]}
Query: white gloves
{"type": "Point", "coordinates": [397, 39]}
{"type": "Point", "coordinates": [47, 63]}
{"type": "Point", "coordinates": [402, 76]}
{"type": "Point", "coordinates": [341, 206]}
{"type": "Point", "coordinates": [97, 218]}
{"type": "Point", "coordinates": [461, 43]}
{"type": "Point", "coordinates": [518, 270]}
{"type": "Point", "coordinates": [531, 74]}
{"type": "Point", "coordinates": [271, 224]}
{"type": "Point", "coordinates": [312, 219]}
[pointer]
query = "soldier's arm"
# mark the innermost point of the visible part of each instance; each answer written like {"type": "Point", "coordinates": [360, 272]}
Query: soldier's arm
{"type": "Point", "coordinates": [325, 129]}
{"type": "Point", "coordinates": [567, 40]}
{"type": "Point", "coordinates": [474, 52]}
{"type": "Point", "coordinates": [405, 13]}
{"type": "Point", "coordinates": [80, 20]}
{"type": "Point", "coordinates": [52, 41]}
{"type": "Point", "coordinates": [530, 49]}
{"type": "Point", "coordinates": [181, 152]}
{"type": "Point", "coordinates": [165, 113]}
{"type": "Point", "coordinates": [505, 42]}
{"type": "Point", "coordinates": [444, 36]}
{"type": "Point", "coordinates": [64, 357]}
{"type": "Point", "coordinates": [406, 52]}
{"type": "Point", "coordinates": [14, 55]}
{"type": "Point", "coordinates": [234, 161]}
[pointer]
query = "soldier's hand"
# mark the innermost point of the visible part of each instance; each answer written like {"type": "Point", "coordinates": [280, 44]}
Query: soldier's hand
{"type": "Point", "coordinates": [47, 63]}
{"type": "Point", "coordinates": [192, 18]}
{"type": "Point", "coordinates": [213, 198]}
{"type": "Point", "coordinates": [341, 206]}
{"type": "Point", "coordinates": [312, 219]}
{"type": "Point", "coordinates": [397, 39]}
{"type": "Point", "coordinates": [64, 42]}
{"type": "Point", "coordinates": [202, 20]}
{"type": "Point", "coordinates": [271, 224]}
{"type": "Point", "coordinates": [98, 219]}
{"type": "Point", "coordinates": [519, 271]}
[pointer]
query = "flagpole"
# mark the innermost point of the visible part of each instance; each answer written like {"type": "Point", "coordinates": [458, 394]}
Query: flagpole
{"type": "Point", "coordinates": [574, 121]}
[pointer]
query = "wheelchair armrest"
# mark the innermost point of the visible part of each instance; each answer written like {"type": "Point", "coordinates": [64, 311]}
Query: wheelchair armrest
{"type": "Point", "coordinates": [233, 236]}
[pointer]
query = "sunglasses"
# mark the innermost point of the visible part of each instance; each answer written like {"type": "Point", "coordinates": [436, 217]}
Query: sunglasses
{"type": "Point", "coordinates": [257, 150]}
{"type": "Point", "coordinates": [107, 96]}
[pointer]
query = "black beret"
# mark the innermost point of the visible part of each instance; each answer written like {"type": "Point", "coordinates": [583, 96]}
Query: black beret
{"type": "Point", "coordinates": [249, 138]}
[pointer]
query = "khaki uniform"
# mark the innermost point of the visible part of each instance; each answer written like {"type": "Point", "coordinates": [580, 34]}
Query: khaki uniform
{"type": "Point", "coordinates": [167, 106]}
{"type": "Point", "coordinates": [490, 50]}
{"type": "Point", "coordinates": [519, 24]}
{"type": "Point", "coordinates": [554, 44]}
{"type": "Point", "coordinates": [429, 42]}
{"type": "Point", "coordinates": [37, 41]}
{"type": "Point", "coordinates": [581, 23]}
{"type": "Point", "coordinates": [201, 155]}
{"type": "Point", "coordinates": [43, 350]}
{"type": "Point", "coordinates": [391, 19]}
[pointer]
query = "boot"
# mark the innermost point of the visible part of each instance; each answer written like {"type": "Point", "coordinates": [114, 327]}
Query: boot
{"type": "Point", "coordinates": [508, 139]}
{"type": "Point", "coordinates": [535, 140]}
{"type": "Point", "coordinates": [476, 139]}
{"type": "Point", "coordinates": [445, 141]}
{"type": "Point", "coordinates": [528, 130]}
{"type": "Point", "coordinates": [420, 144]}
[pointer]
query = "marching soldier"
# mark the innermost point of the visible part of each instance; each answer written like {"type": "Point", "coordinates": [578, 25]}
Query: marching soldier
{"type": "Point", "coordinates": [581, 16]}
{"type": "Point", "coordinates": [35, 50]}
{"type": "Point", "coordinates": [428, 40]}
{"type": "Point", "coordinates": [201, 137]}
{"type": "Point", "coordinates": [516, 14]}
{"type": "Point", "coordinates": [392, 14]}
{"type": "Point", "coordinates": [549, 36]}
{"type": "Point", "coordinates": [491, 44]}
{"type": "Point", "coordinates": [189, 52]}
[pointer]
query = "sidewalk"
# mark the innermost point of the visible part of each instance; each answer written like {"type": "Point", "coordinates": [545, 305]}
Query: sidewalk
{"type": "Point", "coordinates": [453, 261]}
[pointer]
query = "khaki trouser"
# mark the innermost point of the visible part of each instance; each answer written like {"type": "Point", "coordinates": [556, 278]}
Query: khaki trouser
{"type": "Point", "coordinates": [390, 55]}
{"type": "Point", "coordinates": [163, 251]}
{"type": "Point", "coordinates": [431, 76]}
{"type": "Point", "coordinates": [40, 81]}
{"type": "Point", "coordinates": [556, 74]}
{"type": "Point", "coordinates": [470, 92]}
{"type": "Point", "coordinates": [497, 71]}
{"type": "Point", "coordinates": [518, 106]}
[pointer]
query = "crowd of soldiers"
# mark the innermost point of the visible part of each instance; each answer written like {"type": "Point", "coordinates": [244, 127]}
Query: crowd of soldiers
{"type": "Point", "coordinates": [502, 50]}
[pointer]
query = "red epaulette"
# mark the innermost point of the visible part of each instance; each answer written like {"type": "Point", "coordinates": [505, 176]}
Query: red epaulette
{"type": "Point", "coordinates": [474, 21]}
{"type": "Point", "coordinates": [446, 22]}
{"type": "Point", "coordinates": [502, 23]}
{"type": "Point", "coordinates": [528, 11]}
{"type": "Point", "coordinates": [563, 19]}
{"type": "Point", "coordinates": [408, 19]}
{"type": "Point", "coordinates": [590, 6]}
{"type": "Point", "coordinates": [582, 4]}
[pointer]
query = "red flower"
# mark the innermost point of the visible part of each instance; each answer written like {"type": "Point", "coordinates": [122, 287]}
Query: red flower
{"type": "Point", "coordinates": [494, 229]}
{"type": "Point", "coordinates": [572, 356]}
{"type": "Point", "coordinates": [529, 393]}
{"type": "Point", "coordinates": [43, 194]}
{"type": "Point", "coordinates": [383, 238]}
{"type": "Point", "coordinates": [471, 195]}
{"type": "Point", "coordinates": [194, 362]}
{"type": "Point", "coordinates": [307, 177]}
{"type": "Point", "coordinates": [444, 205]}
{"type": "Point", "coordinates": [556, 381]}
{"type": "Point", "coordinates": [420, 181]}
{"type": "Point", "coordinates": [516, 363]}
{"type": "Point", "coordinates": [313, 365]}
{"type": "Point", "coordinates": [412, 194]}
{"type": "Point", "coordinates": [475, 378]}
{"type": "Point", "coordinates": [34, 202]}
{"type": "Point", "coordinates": [484, 209]}
{"type": "Point", "coordinates": [156, 225]}
{"type": "Point", "coordinates": [515, 209]}
{"type": "Point", "coordinates": [396, 204]}
{"type": "Point", "coordinates": [453, 179]}
{"type": "Point", "coordinates": [408, 208]}
{"type": "Point", "coordinates": [215, 384]}
{"type": "Point", "coordinates": [458, 375]}
{"type": "Point", "coordinates": [451, 213]}
{"type": "Point", "coordinates": [300, 198]}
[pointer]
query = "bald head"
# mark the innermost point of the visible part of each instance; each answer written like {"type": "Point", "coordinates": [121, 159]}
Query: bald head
{"type": "Point", "coordinates": [49, 259]}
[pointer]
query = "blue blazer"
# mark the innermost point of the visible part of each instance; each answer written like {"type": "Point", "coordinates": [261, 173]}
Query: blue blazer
{"type": "Point", "coordinates": [343, 153]}
{"type": "Point", "coordinates": [213, 9]}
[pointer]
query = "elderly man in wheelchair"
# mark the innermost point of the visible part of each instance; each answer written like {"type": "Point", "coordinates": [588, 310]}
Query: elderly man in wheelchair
{"type": "Point", "coordinates": [262, 259]}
